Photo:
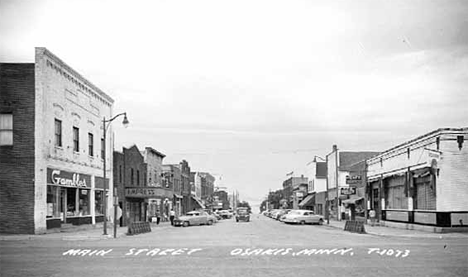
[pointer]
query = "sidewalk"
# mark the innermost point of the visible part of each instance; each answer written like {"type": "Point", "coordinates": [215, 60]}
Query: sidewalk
{"type": "Point", "coordinates": [396, 232]}
{"type": "Point", "coordinates": [82, 232]}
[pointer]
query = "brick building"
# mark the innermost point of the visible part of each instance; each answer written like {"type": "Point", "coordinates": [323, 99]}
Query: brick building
{"type": "Point", "coordinates": [173, 179]}
{"type": "Point", "coordinates": [130, 173]}
{"type": "Point", "coordinates": [423, 181]}
{"type": "Point", "coordinates": [294, 190]}
{"type": "Point", "coordinates": [51, 154]}
{"type": "Point", "coordinates": [186, 188]}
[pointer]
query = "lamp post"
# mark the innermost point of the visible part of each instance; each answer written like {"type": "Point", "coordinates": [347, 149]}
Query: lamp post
{"type": "Point", "coordinates": [108, 121]}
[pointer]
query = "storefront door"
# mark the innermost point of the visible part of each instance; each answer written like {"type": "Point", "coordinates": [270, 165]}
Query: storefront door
{"type": "Point", "coordinates": [63, 204]}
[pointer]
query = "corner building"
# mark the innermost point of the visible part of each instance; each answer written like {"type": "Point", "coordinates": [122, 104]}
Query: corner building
{"type": "Point", "coordinates": [422, 182]}
{"type": "Point", "coordinates": [51, 147]}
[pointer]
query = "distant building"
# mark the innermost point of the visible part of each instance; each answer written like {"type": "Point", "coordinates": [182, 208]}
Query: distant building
{"type": "Point", "coordinates": [173, 179]}
{"type": "Point", "coordinates": [161, 200]}
{"type": "Point", "coordinates": [423, 181]}
{"type": "Point", "coordinates": [316, 173]}
{"type": "Point", "coordinates": [294, 190]}
{"type": "Point", "coordinates": [51, 146]}
{"type": "Point", "coordinates": [186, 187]}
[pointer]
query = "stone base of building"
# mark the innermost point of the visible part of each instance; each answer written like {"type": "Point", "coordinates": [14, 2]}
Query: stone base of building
{"type": "Point", "coordinates": [425, 228]}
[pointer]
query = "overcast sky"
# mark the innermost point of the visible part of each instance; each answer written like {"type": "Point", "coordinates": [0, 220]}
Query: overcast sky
{"type": "Point", "coordinates": [252, 90]}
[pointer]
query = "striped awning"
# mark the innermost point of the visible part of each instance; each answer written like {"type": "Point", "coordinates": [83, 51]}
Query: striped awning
{"type": "Point", "coordinates": [308, 201]}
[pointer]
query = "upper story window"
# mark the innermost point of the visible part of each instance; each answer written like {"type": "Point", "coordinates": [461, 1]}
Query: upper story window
{"type": "Point", "coordinates": [6, 129]}
{"type": "Point", "coordinates": [138, 177]}
{"type": "Point", "coordinates": [103, 149]}
{"type": "Point", "coordinates": [58, 132]}
{"type": "Point", "coordinates": [91, 144]}
{"type": "Point", "coordinates": [76, 139]}
{"type": "Point", "coordinates": [131, 176]}
{"type": "Point", "coordinates": [120, 173]}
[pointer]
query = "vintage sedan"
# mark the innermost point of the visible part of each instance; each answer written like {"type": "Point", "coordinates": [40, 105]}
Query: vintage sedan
{"type": "Point", "coordinates": [194, 218]}
{"type": "Point", "coordinates": [302, 217]}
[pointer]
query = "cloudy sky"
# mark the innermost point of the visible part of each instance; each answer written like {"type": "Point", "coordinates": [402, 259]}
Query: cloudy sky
{"type": "Point", "coordinates": [251, 90]}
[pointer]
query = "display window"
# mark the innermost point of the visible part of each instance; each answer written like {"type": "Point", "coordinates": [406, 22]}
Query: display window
{"type": "Point", "coordinates": [53, 201]}
{"type": "Point", "coordinates": [83, 204]}
{"type": "Point", "coordinates": [99, 201]}
{"type": "Point", "coordinates": [78, 202]}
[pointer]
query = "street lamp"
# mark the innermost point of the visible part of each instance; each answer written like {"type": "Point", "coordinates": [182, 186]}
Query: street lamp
{"type": "Point", "coordinates": [125, 123]}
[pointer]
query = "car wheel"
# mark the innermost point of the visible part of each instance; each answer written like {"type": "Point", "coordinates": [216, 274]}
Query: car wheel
{"type": "Point", "coordinates": [320, 222]}
{"type": "Point", "coordinates": [237, 220]}
{"type": "Point", "coordinates": [302, 222]}
{"type": "Point", "coordinates": [186, 224]}
{"type": "Point", "coordinates": [210, 222]}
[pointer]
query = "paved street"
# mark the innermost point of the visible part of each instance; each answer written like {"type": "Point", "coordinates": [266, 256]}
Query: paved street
{"type": "Point", "coordinates": [262, 247]}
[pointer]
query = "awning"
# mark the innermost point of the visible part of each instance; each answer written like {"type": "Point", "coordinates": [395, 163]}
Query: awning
{"type": "Point", "coordinates": [178, 196]}
{"type": "Point", "coordinates": [198, 202]}
{"type": "Point", "coordinates": [352, 200]}
{"type": "Point", "coordinates": [308, 201]}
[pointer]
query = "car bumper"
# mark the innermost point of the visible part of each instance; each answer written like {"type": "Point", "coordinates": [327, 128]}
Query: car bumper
{"type": "Point", "coordinates": [289, 220]}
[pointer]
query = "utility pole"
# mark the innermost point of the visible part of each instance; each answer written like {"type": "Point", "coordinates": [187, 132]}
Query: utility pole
{"type": "Point", "coordinates": [364, 179]}
{"type": "Point", "coordinates": [327, 213]}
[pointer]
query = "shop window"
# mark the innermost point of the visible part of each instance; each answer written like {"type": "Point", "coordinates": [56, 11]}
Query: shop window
{"type": "Point", "coordinates": [53, 202]}
{"type": "Point", "coordinates": [6, 129]}
{"type": "Point", "coordinates": [76, 139]}
{"type": "Point", "coordinates": [98, 201]}
{"type": "Point", "coordinates": [83, 208]}
{"type": "Point", "coordinates": [58, 133]}
{"type": "Point", "coordinates": [71, 202]}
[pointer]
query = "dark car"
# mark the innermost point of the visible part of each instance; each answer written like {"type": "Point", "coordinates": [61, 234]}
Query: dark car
{"type": "Point", "coordinates": [242, 215]}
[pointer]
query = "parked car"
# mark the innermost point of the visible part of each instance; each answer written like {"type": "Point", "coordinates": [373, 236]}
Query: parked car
{"type": "Point", "coordinates": [194, 218]}
{"type": "Point", "coordinates": [303, 217]}
{"type": "Point", "coordinates": [225, 214]}
{"type": "Point", "coordinates": [281, 213]}
{"type": "Point", "coordinates": [242, 214]}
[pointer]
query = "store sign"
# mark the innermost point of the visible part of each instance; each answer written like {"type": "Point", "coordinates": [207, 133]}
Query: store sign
{"type": "Point", "coordinates": [353, 179]}
{"type": "Point", "coordinates": [143, 192]}
{"type": "Point", "coordinates": [68, 179]}
{"type": "Point", "coordinates": [348, 191]}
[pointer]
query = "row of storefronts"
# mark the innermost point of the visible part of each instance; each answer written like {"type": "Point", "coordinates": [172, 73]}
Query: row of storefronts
{"type": "Point", "coordinates": [55, 154]}
{"type": "Point", "coordinates": [420, 182]}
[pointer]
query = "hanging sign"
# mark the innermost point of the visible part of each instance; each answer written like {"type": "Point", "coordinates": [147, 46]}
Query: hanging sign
{"type": "Point", "coordinates": [348, 191]}
{"type": "Point", "coordinates": [353, 179]}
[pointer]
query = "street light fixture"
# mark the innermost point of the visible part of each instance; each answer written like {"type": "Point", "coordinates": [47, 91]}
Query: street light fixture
{"type": "Point", "coordinates": [125, 123]}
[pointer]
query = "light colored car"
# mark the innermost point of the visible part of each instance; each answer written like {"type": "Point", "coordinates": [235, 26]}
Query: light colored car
{"type": "Point", "coordinates": [302, 217]}
{"type": "Point", "coordinates": [194, 218]}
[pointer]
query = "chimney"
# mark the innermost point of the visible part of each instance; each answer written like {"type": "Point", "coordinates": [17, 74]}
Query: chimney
{"type": "Point", "coordinates": [335, 148]}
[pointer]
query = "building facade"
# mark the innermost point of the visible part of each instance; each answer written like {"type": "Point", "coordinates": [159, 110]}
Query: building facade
{"type": "Point", "coordinates": [173, 179]}
{"type": "Point", "coordinates": [294, 190]}
{"type": "Point", "coordinates": [340, 164]}
{"type": "Point", "coordinates": [423, 181]}
{"type": "Point", "coordinates": [130, 174]}
{"type": "Point", "coordinates": [186, 189]}
{"type": "Point", "coordinates": [51, 146]}
{"type": "Point", "coordinates": [316, 173]}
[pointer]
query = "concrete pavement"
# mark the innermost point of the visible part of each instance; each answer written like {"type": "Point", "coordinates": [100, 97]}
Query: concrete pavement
{"type": "Point", "coordinates": [95, 232]}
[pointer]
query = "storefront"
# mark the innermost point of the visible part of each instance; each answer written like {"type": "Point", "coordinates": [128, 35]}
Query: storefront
{"type": "Point", "coordinates": [68, 198]}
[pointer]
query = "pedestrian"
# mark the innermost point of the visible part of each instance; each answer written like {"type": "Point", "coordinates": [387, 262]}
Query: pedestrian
{"type": "Point", "coordinates": [172, 216]}
{"type": "Point", "coordinates": [158, 217]}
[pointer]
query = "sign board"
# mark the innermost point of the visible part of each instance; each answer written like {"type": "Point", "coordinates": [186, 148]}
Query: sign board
{"type": "Point", "coordinates": [68, 179]}
{"type": "Point", "coordinates": [143, 192]}
{"type": "Point", "coordinates": [348, 191]}
{"type": "Point", "coordinates": [353, 179]}
{"type": "Point", "coordinates": [119, 213]}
